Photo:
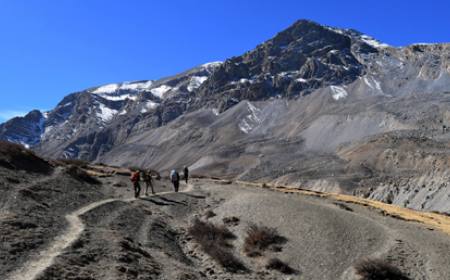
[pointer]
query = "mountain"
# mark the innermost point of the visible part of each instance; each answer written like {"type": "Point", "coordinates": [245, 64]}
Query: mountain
{"type": "Point", "coordinates": [315, 106]}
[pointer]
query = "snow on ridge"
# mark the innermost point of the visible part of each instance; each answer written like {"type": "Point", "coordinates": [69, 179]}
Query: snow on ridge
{"type": "Point", "coordinates": [160, 91]}
{"type": "Point", "coordinates": [138, 86]}
{"type": "Point", "coordinates": [338, 92]}
{"type": "Point", "coordinates": [213, 64]}
{"type": "Point", "coordinates": [365, 38]}
{"type": "Point", "coordinates": [118, 97]}
{"type": "Point", "coordinates": [336, 30]}
{"type": "Point", "coordinates": [111, 88]}
{"type": "Point", "coordinates": [195, 82]}
{"type": "Point", "coordinates": [372, 42]}
{"type": "Point", "coordinates": [423, 44]}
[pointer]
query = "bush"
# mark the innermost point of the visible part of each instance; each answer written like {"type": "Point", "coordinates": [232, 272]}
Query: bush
{"type": "Point", "coordinates": [210, 214]}
{"type": "Point", "coordinates": [81, 175]}
{"type": "Point", "coordinates": [15, 156]}
{"type": "Point", "coordinates": [261, 238]}
{"type": "Point", "coordinates": [276, 264]}
{"type": "Point", "coordinates": [376, 269]}
{"type": "Point", "coordinates": [214, 242]}
{"type": "Point", "coordinates": [231, 221]}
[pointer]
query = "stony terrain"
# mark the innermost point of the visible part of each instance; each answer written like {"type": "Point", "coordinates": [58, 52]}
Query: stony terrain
{"type": "Point", "coordinates": [317, 107]}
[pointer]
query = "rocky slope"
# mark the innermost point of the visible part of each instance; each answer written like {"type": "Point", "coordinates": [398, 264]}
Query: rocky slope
{"type": "Point", "coordinates": [318, 107]}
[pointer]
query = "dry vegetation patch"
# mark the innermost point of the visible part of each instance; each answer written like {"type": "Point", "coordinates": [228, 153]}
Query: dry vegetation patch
{"type": "Point", "coordinates": [231, 221]}
{"type": "Point", "coordinates": [214, 241]}
{"type": "Point", "coordinates": [376, 269]}
{"type": "Point", "coordinates": [277, 264]}
{"type": "Point", "coordinates": [261, 238]}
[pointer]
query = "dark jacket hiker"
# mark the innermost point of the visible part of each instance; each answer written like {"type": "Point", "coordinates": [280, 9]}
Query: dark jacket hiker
{"type": "Point", "coordinates": [147, 176]}
{"type": "Point", "coordinates": [175, 178]}
{"type": "Point", "coordinates": [186, 174]}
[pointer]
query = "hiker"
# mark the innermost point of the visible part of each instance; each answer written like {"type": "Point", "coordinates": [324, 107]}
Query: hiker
{"type": "Point", "coordinates": [186, 174]}
{"type": "Point", "coordinates": [135, 177]}
{"type": "Point", "coordinates": [147, 176]}
{"type": "Point", "coordinates": [175, 178]}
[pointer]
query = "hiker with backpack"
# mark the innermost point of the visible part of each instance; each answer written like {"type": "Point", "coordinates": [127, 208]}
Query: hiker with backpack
{"type": "Point", "coordinates": [147, 176]}
{"type": "Point", "coordinates": [135, 177]}
{"type": "Point", "coordinates": [175, 178]}
{"type": "Point", "coordinates": [186, 174]}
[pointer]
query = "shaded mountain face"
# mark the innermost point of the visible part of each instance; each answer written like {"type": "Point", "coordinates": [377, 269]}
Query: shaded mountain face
{"type": "Point", "coordinates": [298, 109]}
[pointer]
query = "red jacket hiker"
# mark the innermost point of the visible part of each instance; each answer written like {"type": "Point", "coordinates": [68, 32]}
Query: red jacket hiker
{"type": "Point", "coordinates": [135, 177]}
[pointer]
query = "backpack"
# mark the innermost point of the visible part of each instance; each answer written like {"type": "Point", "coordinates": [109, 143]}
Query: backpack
{"type": "Point", "coordinates": [135, 177]}
{"type": "Point", "coordinates": [174, 176]}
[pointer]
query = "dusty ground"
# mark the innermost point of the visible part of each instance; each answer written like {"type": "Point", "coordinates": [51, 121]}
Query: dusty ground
{"type": "Point", "coordinates": [147, 238]}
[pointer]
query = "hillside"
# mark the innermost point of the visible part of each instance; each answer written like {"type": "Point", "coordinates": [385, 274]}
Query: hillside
{"type": "Point", "coordinates": [317, 107]}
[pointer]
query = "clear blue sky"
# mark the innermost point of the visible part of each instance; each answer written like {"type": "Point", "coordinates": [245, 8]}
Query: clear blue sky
{"type": "Point", "coordinates": [49, 48]}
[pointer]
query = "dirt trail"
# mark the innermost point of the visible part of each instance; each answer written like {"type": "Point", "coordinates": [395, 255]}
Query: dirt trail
{"type": "Point", "coordinates": [33, 268]}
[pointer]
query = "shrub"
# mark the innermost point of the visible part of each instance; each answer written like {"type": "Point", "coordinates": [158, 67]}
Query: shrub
{"type": "Point", "coordinates": [276, 264]}
{"type": "Point", "coordinates": [210, 214]}
{"type": "Point", "coordinates": [261, 238]}
{"type": "Point", "coordinates": [343, 206]}
{"type": "Point", "coordinates": [376, 269]}
{"type": "Point", "coordinates": [231, 221]}
{"type": "Point", "coordinates": [214, 241]}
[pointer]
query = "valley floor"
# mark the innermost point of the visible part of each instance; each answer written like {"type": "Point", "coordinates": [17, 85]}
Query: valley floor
{"type": "Point", "coordinates": [147, 238]}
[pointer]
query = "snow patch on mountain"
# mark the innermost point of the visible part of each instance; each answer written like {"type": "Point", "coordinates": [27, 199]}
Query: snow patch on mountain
{"type": "Point", "coordinates": [105, 114]}
{"type": "Point", "coordinates": [338, 92]}
{"type": "Point", "coordinates": [147, 106]}
{"type": "Point", "coordinates": [372, 83]}
{"type": "Point", "coordinates": [118, 97]}
{"type": "Point", "coordinates": [215, 111]}
{"type": "Point", "coordinates": [160, 91]}
{"type": "Point", "coordinates": [252, 120]}
{"type": "Point", "coordinates": [195, 82]}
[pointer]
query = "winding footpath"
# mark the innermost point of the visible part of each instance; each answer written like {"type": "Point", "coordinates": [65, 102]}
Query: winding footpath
{"type": "Point", "coordinates": [34, 267]}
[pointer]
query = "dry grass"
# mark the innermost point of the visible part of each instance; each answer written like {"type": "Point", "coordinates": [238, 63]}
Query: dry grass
{"type": "Point", "coordinates": [14, 156]}
{"type": "Point", "coordinates": [261, 238]}
{"type": "Point", "coordinates": [277, 264]}
{"type": "Point", "coordinates": [375, 269]}
{"type": "Point", "coordinates": [75, 162]}
{"type": "Point", "coordinates": [214, 241]}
